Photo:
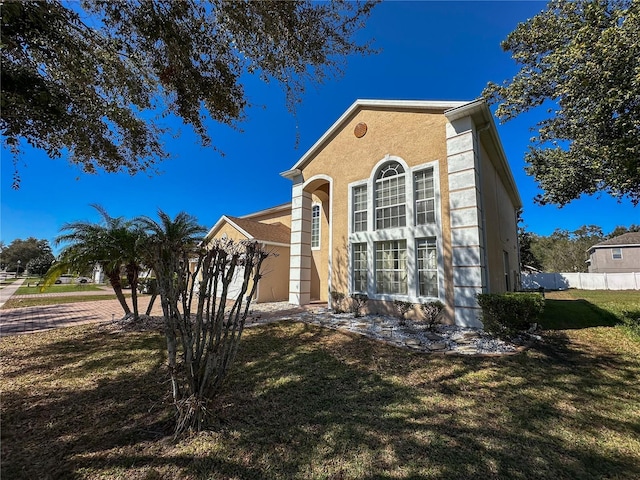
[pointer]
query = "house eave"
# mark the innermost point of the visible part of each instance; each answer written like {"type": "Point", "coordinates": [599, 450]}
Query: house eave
{"type": "Point", "coordinates": [367, 103]}
{"type": "Point", "coordinates": [481, 115]}
{"type": "Point", "coordinates": [224, 219]}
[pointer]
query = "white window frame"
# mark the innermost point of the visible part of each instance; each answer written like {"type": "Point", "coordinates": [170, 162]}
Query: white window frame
{"type": "Point", "coordinates": [616, 253]}
{"type": "Point", "coordinates": [411, 232]}
{"type": "Point", "coordinates": [431, 245]}
{"type": "Point", "coordinates": [427, 200]}
{"type": "Point", "coordinates": [387, 277]}
{"type": "Point", "coordinates": [390, 188]}
{"type": "Point", "coordinates": [356, 262]}
{"type": "Point", "coordinates": [316, 229]}
{"type": "Point", "coordinates": [355, 225]}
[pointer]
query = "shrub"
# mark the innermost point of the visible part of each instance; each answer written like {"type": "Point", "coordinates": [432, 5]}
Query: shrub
{"type": "Point", "coordinates": [337, 299]}
{"type": "Point", "coordinates": [507, 314]}
{"type": "Point", "coordinates": [432, 312]}
{"type": "Point", "coordinates": [402, 308]}
{"type": "Point", "coordinates": [148, 285]}
{"type": "Point", "coordinates": [358, 302]}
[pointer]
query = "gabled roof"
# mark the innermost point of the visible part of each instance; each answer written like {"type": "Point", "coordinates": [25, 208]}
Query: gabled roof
{"type": "Point", "coordinates": [453, 110]}
{"type": "Point", "coordinates": [625, 240]}
{"type": "Point", "coordinates": [269, 233]}
{"type": "Point", "coordinates": [395, 105]}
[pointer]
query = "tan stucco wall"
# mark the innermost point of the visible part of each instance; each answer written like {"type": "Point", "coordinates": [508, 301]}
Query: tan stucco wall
{"type": "Point", "coordinates": [283, 216]}
{"type": "Point", "coordinates": [500, 228]}
{"type": "Point", "coordinates": [230, 231]}
{"type": "Point", "coordinates": [415, 136]}
{"type": "Point", "coordinates": [274, 284]}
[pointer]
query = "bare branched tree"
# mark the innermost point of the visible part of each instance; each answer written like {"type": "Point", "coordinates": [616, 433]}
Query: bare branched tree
{"type": "Point", "coordinates": [203, 325]}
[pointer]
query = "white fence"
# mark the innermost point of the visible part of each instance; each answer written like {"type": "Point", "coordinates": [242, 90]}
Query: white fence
{"type": "Point", "coordinates": [583, 281]}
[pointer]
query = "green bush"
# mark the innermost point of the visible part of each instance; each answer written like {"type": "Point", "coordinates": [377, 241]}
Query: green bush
{"type": "Point", "coordinates": [148, 285]}
{"type": "Point", "coordinates": [507, 314]}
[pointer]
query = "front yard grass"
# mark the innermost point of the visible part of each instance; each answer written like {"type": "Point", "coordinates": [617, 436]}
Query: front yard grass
{"type": "Point", "coordinates": [303, 402]}
{"type": "Point", "coordinates": [31, 288]}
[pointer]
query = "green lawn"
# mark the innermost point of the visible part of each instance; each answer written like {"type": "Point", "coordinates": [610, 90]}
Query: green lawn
{"type": "Point", "coordinates": [25, 289]}
{"type": "Point", "coordinates": [572, 309]}
{"type": "Point", "coordinates": [304, 402]}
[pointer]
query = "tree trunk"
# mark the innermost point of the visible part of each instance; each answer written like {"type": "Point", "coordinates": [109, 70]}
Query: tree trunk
{"type": "Point", "coordinates": [132, 276]}
{"type": "Point", "coordinates": [114, 279]}
{"type": "Point", "coordinates": [154, 295]}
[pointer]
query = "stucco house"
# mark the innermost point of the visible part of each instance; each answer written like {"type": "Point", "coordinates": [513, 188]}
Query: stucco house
{"type": "Point", "coordinates": [619, 254]}
{"type": "Point", "coordinates": [271, 228]}
{"type": "Point", "coordinates": [399, 200]}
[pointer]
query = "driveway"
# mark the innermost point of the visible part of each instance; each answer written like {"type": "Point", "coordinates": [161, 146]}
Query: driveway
{"type": "Point", "coordinates": [45, 317]}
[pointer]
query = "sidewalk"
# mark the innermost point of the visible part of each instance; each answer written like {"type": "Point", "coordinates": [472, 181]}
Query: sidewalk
{"type": "Point", "coordinates": [7, 291]}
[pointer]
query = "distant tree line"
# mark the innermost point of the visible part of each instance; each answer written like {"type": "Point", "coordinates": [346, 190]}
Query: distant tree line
{"type": "Point", "coordinates": [31, 255]}
{"type": "Point", "coordinates": [563, 250]}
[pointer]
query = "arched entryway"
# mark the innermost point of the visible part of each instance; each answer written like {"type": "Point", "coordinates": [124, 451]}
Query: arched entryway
{"type": "Point", "coordinates": [310, 262]}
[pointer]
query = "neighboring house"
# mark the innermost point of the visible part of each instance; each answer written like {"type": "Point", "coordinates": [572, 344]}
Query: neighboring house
{"type": "Point", "coordinates": [619, 254]}
{"type": "Point", "coordinates": [399, 200]}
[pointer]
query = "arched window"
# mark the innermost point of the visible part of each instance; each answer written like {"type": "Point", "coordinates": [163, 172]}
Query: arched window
{"type": "Point", "coordinates": [390, 197]}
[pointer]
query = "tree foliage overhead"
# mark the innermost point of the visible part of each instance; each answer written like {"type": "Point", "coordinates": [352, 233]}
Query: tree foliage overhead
{"type": "Point", "coordinates": [581, 60]}
{"type": "Point", "coordinates": [94, 79]}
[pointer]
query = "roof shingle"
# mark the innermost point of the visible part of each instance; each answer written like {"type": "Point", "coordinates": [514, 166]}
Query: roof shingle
{"type": "Point", "coordinates": [264, 232]}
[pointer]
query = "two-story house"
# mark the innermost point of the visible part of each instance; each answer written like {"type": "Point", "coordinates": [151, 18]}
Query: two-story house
{"type": "Point", "coordinates": [398, 200]}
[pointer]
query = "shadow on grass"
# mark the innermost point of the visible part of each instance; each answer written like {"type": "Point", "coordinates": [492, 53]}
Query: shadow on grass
{"type": "Point", "coordinates": [575, 314]}
{"type": "Point", "coordinates": [304, 402]}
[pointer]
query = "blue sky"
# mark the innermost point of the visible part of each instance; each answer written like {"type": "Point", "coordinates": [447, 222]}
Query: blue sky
{"type": "Point", "coordinates": [428, 51]}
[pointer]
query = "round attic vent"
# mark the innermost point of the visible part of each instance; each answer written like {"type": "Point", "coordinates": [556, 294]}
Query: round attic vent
{"type": "Point", "coordinates": [360, 130]}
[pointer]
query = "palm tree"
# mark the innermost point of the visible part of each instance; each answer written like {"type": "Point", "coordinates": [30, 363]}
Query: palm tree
{"type": "Point", "coordinates": [168, 243]}
{"type": "Point", "coordinates": [115, 243]}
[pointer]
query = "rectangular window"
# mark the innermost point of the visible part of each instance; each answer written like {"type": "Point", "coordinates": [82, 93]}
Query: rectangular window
{"type": "Point", "coordinates": [425, 198]}
{"type": "Point", "coordinates": [391, 267]}
{"type": "Point", "coordinates": [507, 283]}
{"type": "Point", "coordinates": [616, 253]}
{"type": "Point", "coordinates": [359, 202]}
{"type": "Point", "coordinates": [390, 202]}
{"type": "Point", "coordinates": [315, 226]}
{"type": "Point", "coordinates": [427, 259]}
{"type": "Point", "coordinates": [359, 267]}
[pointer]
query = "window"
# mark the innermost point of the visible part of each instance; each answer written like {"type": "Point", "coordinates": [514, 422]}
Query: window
{"type": "Point", "coordinates": [360, 208]}
{"type": "Point", "coordinates": [391, 267]}
{"type": "Point", "coordinates": [315, 226]}
{"type": "Point", "coordinates": [505, 259]}
{"type": "Point", "coordinates": [390, 197]}
{"type": "Point", "coordinates": [427, 257]}
{"type": "Point", "coordinates": [394, 252]}
{"type": "Point", "coordinates": [359, 262]}
{"type": "Point", "coordinates": [616, 253]}
{"type": "Point", "coordinates": [424, 196]}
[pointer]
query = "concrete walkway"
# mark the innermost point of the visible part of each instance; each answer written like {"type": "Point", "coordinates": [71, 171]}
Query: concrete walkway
{"type": "Point", "coordinates": [7, 291]}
